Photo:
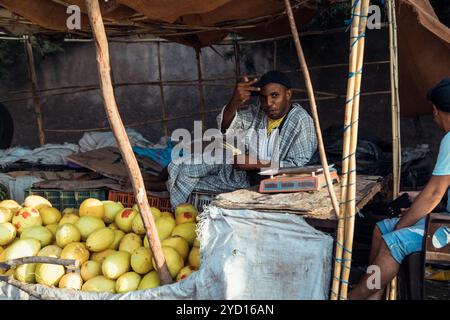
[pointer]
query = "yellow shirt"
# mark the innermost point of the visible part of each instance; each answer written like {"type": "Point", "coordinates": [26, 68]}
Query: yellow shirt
{"type": "Point", "coordinates": [272, 124]}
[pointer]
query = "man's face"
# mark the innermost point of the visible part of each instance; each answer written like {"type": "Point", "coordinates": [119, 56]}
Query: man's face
{"type": "Point", "coordinates": [275, 100]}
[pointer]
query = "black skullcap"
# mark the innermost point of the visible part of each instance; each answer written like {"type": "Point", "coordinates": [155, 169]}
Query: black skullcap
{"type": "Point", "coordinates": [273, 76]}
{"type": "Point", "coordinates": [439, 95]}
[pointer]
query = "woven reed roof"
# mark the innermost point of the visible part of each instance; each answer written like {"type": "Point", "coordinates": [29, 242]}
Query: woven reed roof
{"type": "Point", "coordinates": [194, 22]}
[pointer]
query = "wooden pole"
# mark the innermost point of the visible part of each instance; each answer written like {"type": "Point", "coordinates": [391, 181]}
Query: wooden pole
{"type": "Point", "coordinates": [201, 89]}
{"type": "Point", "coordinates": [339, 248]}
{"type": "Point", "coordinates": [112, 112]}
{"type": "Point", "coordinates": [35, 90]}
{"type": "Point", "coordinates": [351, 193]}
{"type": "Point", "coordinates": [161, 91]}
{"type": "Point", "coordinates": [391, 293]}
{"type": "Point", "coordinates": [275, 48]}
{"type": "Point", "coordinates": [312, 101]}
{"type": "Point", "coordinates": [341, 232]}
{"type": "Point", "coordinates": [237, 60]}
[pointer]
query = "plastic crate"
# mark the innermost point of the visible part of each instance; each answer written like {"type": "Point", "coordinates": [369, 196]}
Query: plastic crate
{"type": "Point", "coordinates": [200, 199]}
{"type": "Point", "coordinates": [128, 200]}
{"type": "Point", "coordinates": [62, 199]}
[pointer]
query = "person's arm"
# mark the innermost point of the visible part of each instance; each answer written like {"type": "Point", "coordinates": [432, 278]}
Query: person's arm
{"type": "Point", "coordinates": [241, 94]}
{"type": "Point", "coordinates": [426, 201]}
{"type": "Point", "coordinates": [250, 163]}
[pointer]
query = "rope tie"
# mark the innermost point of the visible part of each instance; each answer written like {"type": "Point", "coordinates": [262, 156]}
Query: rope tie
{"type": "Point", "coordinates": [341, 280]}
{"type": "Point", "coordinates": [349, 22]}
{"type": "Point", "coordinates": [349, 156]}
{"type": "Point", "coordinates": [348, 172]}
{"type": "Point", "coordinates": [352, 74]}
{"type": "Point", "coordinates": [348, 101]}
{"type": "Point", "coordinates": [347, 201]}
{"type": "Point", "coordinates": [345, 249]}
{"type": "Point", "coordinates": [347, 217]}
{"type": "Point", "coordinates": [350, 125]}
{"type": "Point", "coordinates": [348, 184]}
{"type": "Point", "coordinates": [362, 35]}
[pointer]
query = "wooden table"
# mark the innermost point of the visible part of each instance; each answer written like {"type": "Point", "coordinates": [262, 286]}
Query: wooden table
{"type": "Point", "coordinates": [314, 206]}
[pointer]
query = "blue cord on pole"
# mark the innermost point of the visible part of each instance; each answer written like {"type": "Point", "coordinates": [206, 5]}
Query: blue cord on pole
{"type": "Point", "coordinates": [352, 74]}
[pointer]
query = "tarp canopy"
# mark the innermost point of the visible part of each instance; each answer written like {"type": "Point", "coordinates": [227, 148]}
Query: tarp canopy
{"type": "Point", "coordinates": [424, 42]}
{"type": "Point", "coordinates": [194, 22]}
{"type": "Point", "coordinates": [424, 54]}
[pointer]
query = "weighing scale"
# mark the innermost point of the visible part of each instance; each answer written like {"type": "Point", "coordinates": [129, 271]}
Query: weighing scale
{"type": "Point", "coordinates": [296, 179]}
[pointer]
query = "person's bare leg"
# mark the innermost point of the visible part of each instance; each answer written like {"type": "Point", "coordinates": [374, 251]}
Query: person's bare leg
{"type": "Point", "coordinates": [378, 295]}
{"type": "Point", "coordinates": [388, 269]}
{"type": "Point", "coordinates": [377, 239]}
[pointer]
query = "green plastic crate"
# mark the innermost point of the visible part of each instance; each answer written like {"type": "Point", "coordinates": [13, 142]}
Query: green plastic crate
{"type": "Point", "coordinates": [62, 199]}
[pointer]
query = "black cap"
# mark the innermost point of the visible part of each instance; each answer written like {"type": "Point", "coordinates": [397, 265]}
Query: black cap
{"type": "Point", "coordinates": [273, 76]}
{"type": "Point", "coordinates": [439, 95]}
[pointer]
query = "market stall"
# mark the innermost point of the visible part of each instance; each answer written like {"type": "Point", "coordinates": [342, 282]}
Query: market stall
{"type": "Point", "coordinates": [336, 204]}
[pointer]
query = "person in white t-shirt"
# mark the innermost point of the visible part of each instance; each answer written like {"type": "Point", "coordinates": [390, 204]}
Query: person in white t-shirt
{"type": "Point", "coordinates": [394, 239]}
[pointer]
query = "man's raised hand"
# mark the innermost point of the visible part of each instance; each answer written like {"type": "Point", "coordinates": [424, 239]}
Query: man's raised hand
{"type": "Point", "coordinates": [244, 89]}
{"type": "Point", "coordinates": [242, 93]}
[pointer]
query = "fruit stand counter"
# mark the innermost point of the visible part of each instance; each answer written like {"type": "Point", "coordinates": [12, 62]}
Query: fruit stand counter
{"type": "Point", "coordinates": [315, 207]}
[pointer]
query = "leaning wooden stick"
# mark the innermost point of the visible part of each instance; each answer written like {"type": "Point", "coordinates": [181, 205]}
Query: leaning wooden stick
{"type": "Point", "coordinates": [112, 112]}
{"type": "Point", "coordinates": [313, 105]}
{"type": "Point", "coordinates": [351, 193]}
{"type": "Point", "coordinates": [17, 262]}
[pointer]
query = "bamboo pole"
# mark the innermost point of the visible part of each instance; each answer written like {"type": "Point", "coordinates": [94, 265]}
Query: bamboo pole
{"type": "Point", "coordinates": [351, 193]}
{"type": "Point", "coordinates": [201, 90]}
{"type": "Point", "coordinates": [237, 60]}
{"type": "Point", "coordinates": [35, 90]}
{"type": "Point", "coordinates": [312, 101]}
{"type": "Point", "coordinates": [123, 142]}
{"type": "Point", "coordinates": [275, 48]}
{"type": "Point", "coordinates": [161, 91]}
{"type": "Point", "coordinates": [335, 287]}
{"type": "Point", "coordinates": [339, 249]}
{"type": "Point", "coordinates": [395, 106]}
{"type": "Point", "coordinates": [391, 293]}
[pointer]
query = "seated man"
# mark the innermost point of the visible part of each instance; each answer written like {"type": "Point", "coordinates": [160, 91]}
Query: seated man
{"type": "Point", "coordinates": [289, 138]}
{"type": "Point", "coordinates": [394, 239]}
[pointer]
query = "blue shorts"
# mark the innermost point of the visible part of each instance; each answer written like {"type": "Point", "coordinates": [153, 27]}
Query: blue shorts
{"type": "Point", "coordinates": [405, 241]}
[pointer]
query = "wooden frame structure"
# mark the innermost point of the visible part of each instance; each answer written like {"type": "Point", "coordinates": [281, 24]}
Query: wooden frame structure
{"type": "Point", "coordinates": [345, 210]}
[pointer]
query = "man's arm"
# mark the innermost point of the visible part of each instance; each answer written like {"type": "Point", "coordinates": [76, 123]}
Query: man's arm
{"type": "Point", "coordinates": [249, 162]}
{"type": "Point", "coordinates": [241, 94]}
{"type": "Point", "coordinates": [426, 201]}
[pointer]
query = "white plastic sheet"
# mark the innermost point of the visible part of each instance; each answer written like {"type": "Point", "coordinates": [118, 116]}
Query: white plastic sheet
{"type": "Point", "coordinates": [47, 154]}
{"type": "Point", "coordinates": [17, 186]}
{"type": "Point", "coordinates": [97, 140]}
{"type": "Point", "coordinates": [245, 255]}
